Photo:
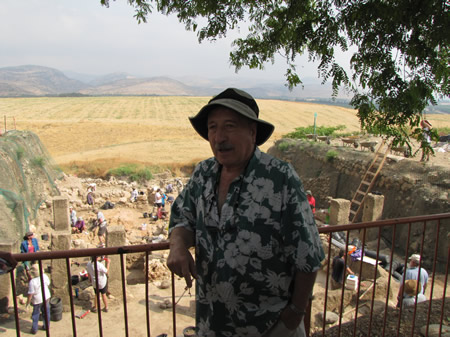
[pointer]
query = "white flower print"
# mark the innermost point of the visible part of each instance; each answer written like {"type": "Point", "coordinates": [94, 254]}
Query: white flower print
{"type": "Point", "coordinates": [227, 295]}
{"type": "Point", "coordinates": [261, 189]}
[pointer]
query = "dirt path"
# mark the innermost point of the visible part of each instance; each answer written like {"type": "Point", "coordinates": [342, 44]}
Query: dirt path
{"type": "Point", "coordinates": [113, 321]}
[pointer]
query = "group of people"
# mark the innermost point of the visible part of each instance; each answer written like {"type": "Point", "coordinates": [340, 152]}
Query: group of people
{"type": "Point", "coordinates": [415, 281]}
{"type": "Point", "coordinates": [161, 199]}
{"type": "Point", "coordinates": [100, 224]}
{"type": "Point", "coordinates": [31, 245]}
{"type": "Point", "coordinates": [39, 306]}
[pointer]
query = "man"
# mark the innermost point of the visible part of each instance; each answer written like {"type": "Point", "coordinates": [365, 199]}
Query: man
{"type": "Point", "coordinates": [99, 214]}
{"type": "Point", "coordinates": [411, 292]}
{"type": "Point", "coordinates": [256, 242]}
{"type": "Point", "coordinates": [311, 200]}
{"type": "Point", "coordinates": [102, 227]}
{"type": "Point", "coordinates": [158, 198]}
{"type": "Point", "coordinates": [426, 140]}
{"type": "Point", "coordinates": [338, 268]}
{"type": "Point", "coordinates": [35, 298]}
{"type": "Point", "coordinates": [414, 273]}
{"type": "Point", "coordinates": [29, 245]}
{"type": "Point", "coordinates": [134, 195]}
{"type": "Point", "coordinates": [73, 216]}
{"type": "Point", "coordinates": [99, 226]}
{"type": "Point", "coordinates": [102, 279]}
{"type": "Point", "coordinates": [90, 194]}
{"type": "Point", "coordinates": [80, 226]}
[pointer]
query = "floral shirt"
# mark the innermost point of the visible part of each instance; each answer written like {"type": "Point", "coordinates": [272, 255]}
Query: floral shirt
{"type": "Point", "coordinates": [247, 256]}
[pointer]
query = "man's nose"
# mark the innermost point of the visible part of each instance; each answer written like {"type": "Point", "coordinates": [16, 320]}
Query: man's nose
{"type": "Point", "coordinates": [220, 134]}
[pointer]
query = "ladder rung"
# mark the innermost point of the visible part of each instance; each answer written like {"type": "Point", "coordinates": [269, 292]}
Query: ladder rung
{"type": "Point", "coordinates": [365, 182]}
{"type": "Point", "coordinates": [356, 202]}
{"type": "Point", "coordinates": [361, 192]}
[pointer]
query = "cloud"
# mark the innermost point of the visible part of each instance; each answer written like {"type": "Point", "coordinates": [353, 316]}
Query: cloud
{"type": "Point", "coordinates": [85, 37]}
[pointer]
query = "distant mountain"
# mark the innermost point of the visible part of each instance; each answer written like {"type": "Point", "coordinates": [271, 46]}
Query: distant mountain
{"type": "Point", "coordinates": [32, 80]}
{"type": "Point", "coordinates": [161, 86]}
{"type": "Point", "coordinates": [101, 80]}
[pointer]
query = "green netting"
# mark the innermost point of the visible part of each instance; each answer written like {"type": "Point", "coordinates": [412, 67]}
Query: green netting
{"type": "Point", "coordinates": [27, 179]}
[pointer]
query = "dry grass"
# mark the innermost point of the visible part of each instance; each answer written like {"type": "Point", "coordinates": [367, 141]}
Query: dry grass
{"type": "Point", "coordinates": [102, 132]}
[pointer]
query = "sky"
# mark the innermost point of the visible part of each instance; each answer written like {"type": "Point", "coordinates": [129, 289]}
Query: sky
{"type": "Point", "coordinates": [84, 37]}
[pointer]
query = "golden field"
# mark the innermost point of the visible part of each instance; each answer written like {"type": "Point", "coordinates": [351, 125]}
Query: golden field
{"type": "Point", "coordinates": [149, 130]}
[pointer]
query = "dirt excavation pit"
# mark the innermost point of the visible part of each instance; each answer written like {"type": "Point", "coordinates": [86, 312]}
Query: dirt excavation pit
{"type": "Point", "coordinates": [142, 230]}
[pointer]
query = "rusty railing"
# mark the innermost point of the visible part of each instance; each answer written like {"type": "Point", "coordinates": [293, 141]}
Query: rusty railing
{"type": "Point", "coordinates": [422, 227]}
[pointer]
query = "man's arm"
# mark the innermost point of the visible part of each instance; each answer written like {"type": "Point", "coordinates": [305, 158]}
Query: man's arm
{"type": "Point", "coordinates": [293, 314]}
{"type": "Point", "coordinates": [180, 260]}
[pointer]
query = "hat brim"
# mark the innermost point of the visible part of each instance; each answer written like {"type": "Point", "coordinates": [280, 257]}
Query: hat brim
{"type": "Point", "coordinates": [199, 121]}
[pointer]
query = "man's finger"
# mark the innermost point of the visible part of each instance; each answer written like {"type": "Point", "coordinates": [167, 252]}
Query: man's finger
{"type": "Point", "coordinates": [193, 269]}
{"type": "Point", "coordinates": [186, 273]}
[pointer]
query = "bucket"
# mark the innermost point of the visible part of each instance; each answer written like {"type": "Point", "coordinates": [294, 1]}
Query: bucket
{"type": "Point", "coordinates": [55, 309]}
{"type": "Point", "coordinates": [352, 282]}
{"type": "Point", "coordinates": [75, 279]}
{"type": "Point", "coordinates": [189, 331]}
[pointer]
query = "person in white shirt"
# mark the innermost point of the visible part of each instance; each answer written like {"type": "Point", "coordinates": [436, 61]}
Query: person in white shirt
{"type": "Point", "coordinates": [411, 291]}
{"type": "Point", "coordinates": [35, 298]}
{"type": "Point", "coordinates": [158, 198]}
{"type": "Point", "coordinates": [134, 195]}
{"type": "Point", "coordinates": [102, 279]}
{"type": "Point", "coordinates": [73, 216]}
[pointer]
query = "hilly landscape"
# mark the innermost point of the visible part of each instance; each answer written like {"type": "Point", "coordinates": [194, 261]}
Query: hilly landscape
{"type": "Point", "coordinates": [34, 80]}
{"type": "Point", "coordinates": [39, 81]}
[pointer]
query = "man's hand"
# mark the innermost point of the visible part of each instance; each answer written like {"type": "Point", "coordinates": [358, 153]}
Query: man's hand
{"type": "Point", "coordinates": [181, 263]}
{"type": "Point", "coordinates": [180, 260]}
{"type": "Point", "coordinates": [290, 319]}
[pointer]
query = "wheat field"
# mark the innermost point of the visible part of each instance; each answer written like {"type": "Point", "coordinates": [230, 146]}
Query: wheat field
{"type": "Point", "coordinates": [149, 130]}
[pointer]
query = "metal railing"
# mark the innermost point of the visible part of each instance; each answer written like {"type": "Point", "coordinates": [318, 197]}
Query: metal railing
{"type": "Point", "coordinates": [440, 224]}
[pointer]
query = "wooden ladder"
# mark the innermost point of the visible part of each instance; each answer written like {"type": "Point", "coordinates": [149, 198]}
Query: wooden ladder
{"type": "Point", "coordinates": [368, 181]}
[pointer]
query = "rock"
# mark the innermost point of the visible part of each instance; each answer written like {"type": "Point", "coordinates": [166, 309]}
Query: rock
{"type": "Point", "coordinates": [166, 304]}
{"type": "Point", "coordinates": [157, 270]}
{"type": "Point", "coordinates": [331, 317]}
{"type": "Point", "coordinates": [87, 294]}
{"type": "Point", "coordinates": [433, 330]}
{"type": "Point", "coordinates": [165, 284]}
{"type": "Point", "coordinates": [21, 299]}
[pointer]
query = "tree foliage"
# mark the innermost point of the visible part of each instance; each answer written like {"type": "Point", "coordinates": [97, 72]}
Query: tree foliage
{"type": "Point", "coordinates": [401, 59]}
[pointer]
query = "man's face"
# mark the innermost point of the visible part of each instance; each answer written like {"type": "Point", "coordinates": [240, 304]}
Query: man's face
{"type": "Point", "coordinates": [231, 137]}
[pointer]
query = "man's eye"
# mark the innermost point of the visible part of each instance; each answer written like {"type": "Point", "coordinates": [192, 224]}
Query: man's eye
{"type": "Point", "coordinates": [230, 126]}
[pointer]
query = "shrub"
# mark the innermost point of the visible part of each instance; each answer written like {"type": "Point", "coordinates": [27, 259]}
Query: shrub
{"type": "Point", "coordinates": [301, 132]}
{"type": "Point", "coordinates": [283, 146]}
{"type": "Point", "coordinates": [330, 155]}
{"type": "Point", "coordinates": [38, 161]}
{"type": "Point", "coordinates": [133, 172]}
{"type": "Point", "coordinates": [20, 152]}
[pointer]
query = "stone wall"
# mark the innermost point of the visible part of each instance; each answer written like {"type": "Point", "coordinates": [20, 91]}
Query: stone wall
{"type": "Point", "coordinates": [409, 188]}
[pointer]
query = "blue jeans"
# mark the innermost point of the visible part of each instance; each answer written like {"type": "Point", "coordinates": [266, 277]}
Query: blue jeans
{"type": "Point", "coordinates": [37, 309]}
